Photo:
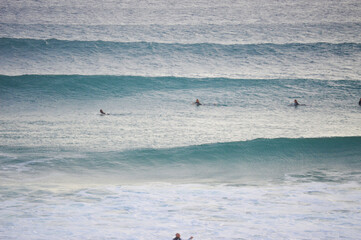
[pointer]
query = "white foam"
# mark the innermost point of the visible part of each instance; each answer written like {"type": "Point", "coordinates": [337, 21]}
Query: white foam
{"type": "Point", "coordinates": [158, 211]}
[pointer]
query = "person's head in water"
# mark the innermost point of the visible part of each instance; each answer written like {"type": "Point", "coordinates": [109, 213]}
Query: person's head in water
{"type": "Point", "coordinates": [197, 102]}
{"type": "Point", "coordinates": [101, 111]}
{"type": "Point", "coordinates": [177, 237]}
{"type": "Point", "coordinates": [295, 102]}
{"type": "Point", "coordinates": [359, 103]}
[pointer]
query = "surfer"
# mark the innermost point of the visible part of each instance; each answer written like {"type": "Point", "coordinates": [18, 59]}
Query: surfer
{"type": "Point", "coordinates": [197, 103]}
{"type": "Point", "coordinates": [177, 237]}
{"type": "Point", "coordinates": [295, 103]}
{"type": "Point", "coordinates": [359, 102]}
{"type": "Point", "coordinates": [102, 112]}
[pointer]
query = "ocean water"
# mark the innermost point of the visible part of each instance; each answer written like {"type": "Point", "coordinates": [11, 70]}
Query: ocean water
{"type": "Point", "coordinates": [243, 165]}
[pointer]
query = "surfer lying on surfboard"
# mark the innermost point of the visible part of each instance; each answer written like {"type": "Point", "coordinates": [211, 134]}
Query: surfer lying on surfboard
{"type": "Point", "coordinates": [295, 103]}
{"type": "Point", "coordinates": [197, 103]}
{"type": "Point", "coordinates": [103, 113]}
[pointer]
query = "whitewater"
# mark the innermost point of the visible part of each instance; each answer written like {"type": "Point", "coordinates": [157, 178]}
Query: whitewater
{"type": "Point", "coordinates": [246, 164]}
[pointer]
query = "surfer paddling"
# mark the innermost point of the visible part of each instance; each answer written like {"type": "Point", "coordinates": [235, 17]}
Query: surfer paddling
{"type": "Point", "coordinates": [295, 103]}
{"type": "Point", "coordinates": [197, 103]}
{"type": "Point", "coordinates": [103, 113]}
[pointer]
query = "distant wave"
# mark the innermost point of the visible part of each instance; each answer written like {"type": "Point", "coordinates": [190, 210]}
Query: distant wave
{"type": "Point", "coordinates": [79, 86]}
{"type": "Point", "coordinates": [28, 87]}
{"type": "Point", "coordinates": [197, 48]}
{"type": "Point", "coordinates": [265, 60]}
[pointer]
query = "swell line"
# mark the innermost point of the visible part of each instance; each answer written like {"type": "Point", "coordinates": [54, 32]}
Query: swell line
{"type": "Point", "coordinates": [59, 42]}
{"type": "Point", "coordinates": [266, 60]}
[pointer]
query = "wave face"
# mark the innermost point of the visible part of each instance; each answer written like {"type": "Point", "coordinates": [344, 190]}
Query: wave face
{"type": "Point", "coordinates": [302, 60]}
{"type": "Point", "coordinates": [266, 159]}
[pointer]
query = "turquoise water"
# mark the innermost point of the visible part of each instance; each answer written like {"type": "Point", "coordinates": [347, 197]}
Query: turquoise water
{"type": "Point", "coordinates": [246, 164]}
